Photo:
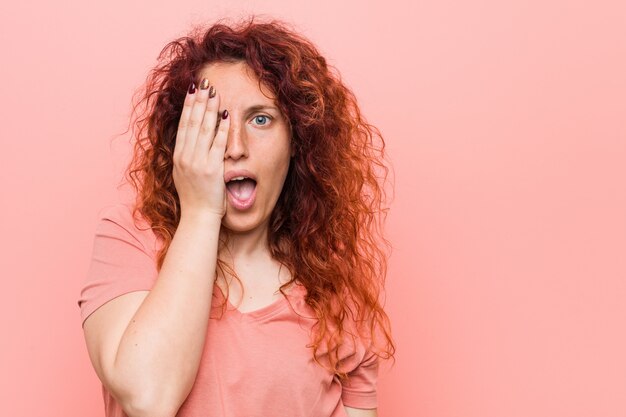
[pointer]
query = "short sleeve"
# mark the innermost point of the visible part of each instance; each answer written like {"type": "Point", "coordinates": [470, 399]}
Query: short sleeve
{"type": "Point", "coordinates": [359, 391]}
{"type": "Point", "coordinates": [122, 259]}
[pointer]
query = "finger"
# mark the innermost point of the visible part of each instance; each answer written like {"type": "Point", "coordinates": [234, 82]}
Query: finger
{"type": "Point", "coordinates": [195, 120]}
{"type": "Point", "coordinates": [208, 127]}
{"type": "Point", "coordinates": [183, 122]}
{"type": "Point", "coordinates": [216, 153]}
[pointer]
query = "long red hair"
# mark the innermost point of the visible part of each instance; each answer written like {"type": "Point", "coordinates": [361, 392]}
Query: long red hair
{"type": "Point", "coordinates": [326, 226]}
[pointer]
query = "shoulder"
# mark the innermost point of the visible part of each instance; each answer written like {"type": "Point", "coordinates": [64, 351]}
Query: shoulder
{"type": "Point", "coordinates": [121, 213]}
{"type": "Point", "coordinates": [119, 221]}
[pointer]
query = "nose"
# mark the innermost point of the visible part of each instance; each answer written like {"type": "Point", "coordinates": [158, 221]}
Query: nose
{"type": "Point", "coordinates": [237, 142]}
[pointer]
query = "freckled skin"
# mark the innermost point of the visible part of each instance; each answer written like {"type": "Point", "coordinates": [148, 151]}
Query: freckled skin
{"type": "Point", "coordinates": [259, 144]}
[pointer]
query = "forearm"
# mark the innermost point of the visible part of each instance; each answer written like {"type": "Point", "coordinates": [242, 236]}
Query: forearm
{"type": "Point", "coordinates": [159, 353]}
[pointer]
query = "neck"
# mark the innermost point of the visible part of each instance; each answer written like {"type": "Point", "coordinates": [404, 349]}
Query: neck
{"type": "Point", "coordinates": [251, 244]}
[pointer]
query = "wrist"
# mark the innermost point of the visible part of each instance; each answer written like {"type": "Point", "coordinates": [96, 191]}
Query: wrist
{"type": "Point", "coordinates": [200, 216]}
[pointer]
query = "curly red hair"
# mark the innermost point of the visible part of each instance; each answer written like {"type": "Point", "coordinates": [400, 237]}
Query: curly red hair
{"type": "Point", "coordinates": [326, 226]}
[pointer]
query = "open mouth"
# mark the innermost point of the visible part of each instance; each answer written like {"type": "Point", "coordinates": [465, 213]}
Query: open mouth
{"type": "Point", "coordinates": [242, 192]}
{"type": "Point", "coordinates": [241, 187]}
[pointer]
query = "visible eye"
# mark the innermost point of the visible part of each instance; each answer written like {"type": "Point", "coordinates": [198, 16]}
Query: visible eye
{"type": "Point", "coordinates": [263, 119]}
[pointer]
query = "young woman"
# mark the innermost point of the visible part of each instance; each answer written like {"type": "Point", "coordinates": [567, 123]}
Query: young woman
{"type": "Point", "coordinates": [246, 278]}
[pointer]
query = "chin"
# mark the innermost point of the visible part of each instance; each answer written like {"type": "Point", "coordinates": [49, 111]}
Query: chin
{"type": "Point", "coordinates": [239, 222]}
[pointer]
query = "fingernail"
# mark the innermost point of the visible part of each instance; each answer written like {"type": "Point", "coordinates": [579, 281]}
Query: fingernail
{"type": "Point", "coordinates": [211, 92]}
{"type": "Point", "coordinates": [192, 88]}
{"type": "Point", "coordinates": [225, 114]}
{"type": "Point", "coordinates": [204, 84]}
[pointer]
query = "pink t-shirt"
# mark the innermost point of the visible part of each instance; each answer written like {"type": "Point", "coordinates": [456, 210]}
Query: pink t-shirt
{"type": "Point", "coordinates": [254, 363]}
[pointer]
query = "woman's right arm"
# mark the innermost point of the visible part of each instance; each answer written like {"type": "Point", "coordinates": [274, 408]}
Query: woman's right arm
{"type": "Point", "coordinates": [146, 346]}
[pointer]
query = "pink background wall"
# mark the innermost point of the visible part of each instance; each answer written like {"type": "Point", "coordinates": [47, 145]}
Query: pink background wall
{"type": "Point", "coordinates": [505, 125]}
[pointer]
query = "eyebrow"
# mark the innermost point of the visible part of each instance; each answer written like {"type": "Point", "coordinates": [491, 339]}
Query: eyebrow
{"type": "Point", "coordinates": [258, 107]}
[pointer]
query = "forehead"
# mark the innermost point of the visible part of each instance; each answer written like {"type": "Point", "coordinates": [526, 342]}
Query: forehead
{"type": "Point", "coordinates": [236, 82]}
